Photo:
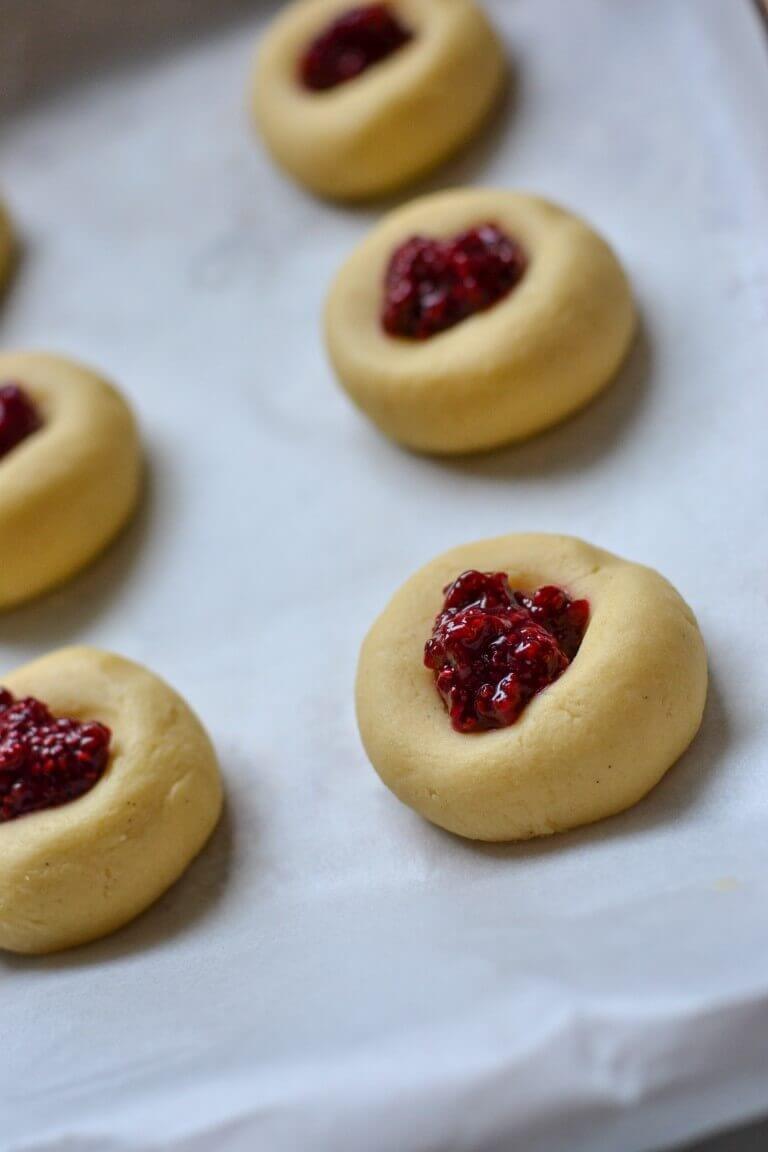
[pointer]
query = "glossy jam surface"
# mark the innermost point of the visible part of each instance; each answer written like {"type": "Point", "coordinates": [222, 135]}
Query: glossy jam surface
{"type": "Point", "coordinates": [493, 649]}
{"type": "Point", "coordinates": [350, 45]}
{"type": "Point", "coordinates": [18, 417]}
{"type": "Point", "coordinates": [45, 761]}
{"type": "Point", "coordinates": [431, 285]}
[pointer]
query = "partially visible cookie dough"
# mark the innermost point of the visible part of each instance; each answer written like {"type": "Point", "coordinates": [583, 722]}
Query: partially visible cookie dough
{"type": "Point", "coordinates": [6, 246]}
{"type": "Point", "coordinates": [73, 873]}
{"type": "Point", "coordinates": [500, 375]}
{"type": "Point", "coordinates": [398, 119]}
{"type": "Point", "coordinates": [67, 489]}
{"type": "Point", "coordinates": [588, 746]}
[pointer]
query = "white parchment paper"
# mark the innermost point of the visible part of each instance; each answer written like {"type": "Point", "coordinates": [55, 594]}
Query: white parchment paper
{"type": "Point", "coordinates": [334, 974]}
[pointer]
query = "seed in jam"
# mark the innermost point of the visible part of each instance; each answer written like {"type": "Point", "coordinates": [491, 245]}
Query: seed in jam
{"type": "Point", "coordinates": [18, 417]}
{"type": "Point", "coordinates": [431, 285]}
{"type": "Point", "coordinates": [350, 45]}
{"type": "Point", "coordinates": [493, 649]}
{"type": "Point", "coordinates": [45, 760]}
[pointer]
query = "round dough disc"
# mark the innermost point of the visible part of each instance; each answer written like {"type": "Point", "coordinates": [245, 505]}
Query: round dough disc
{"type": "Point", "coordinates": [501, 375]}
{"type": "Point", "coordinates": [67, 489]}
{"type": "Point", "coordinates": [74, 873]}
{"type": "Point", "coordinates": [588, 746]}
{"type": "Point", "coordinates": [396, 120]}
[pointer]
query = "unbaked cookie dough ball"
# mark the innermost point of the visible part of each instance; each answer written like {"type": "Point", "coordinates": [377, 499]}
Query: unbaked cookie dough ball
{"type": "Point", "coordinates": [70, 470]}
{"type": "Point", "coordinates": [109, 786]}
{"type": "Point", "coordinates": [524, 685]}
{"type": "Point", "coordinates": [477, 317]}
{"type": "Point", "coordinates": [6, 246]}
{"type": "Point", "coordinates": [356, 100]}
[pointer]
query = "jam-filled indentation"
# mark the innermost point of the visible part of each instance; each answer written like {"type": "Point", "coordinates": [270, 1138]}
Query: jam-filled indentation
{"type": "Point", "coordinates": [19, 417]}
{"type": "Point", "coordinates": [350, 45]}
{"type": "Point", "coordinates": [431, 285]}
{"type": "Point", "coordinates": [46, 760]}
{"type": "Point", "coordinates": [493, 649]}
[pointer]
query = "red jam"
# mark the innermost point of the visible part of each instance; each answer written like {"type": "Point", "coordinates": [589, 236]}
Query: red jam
{"type": "Point", "coordinates": [18, 417]}
{"type": "Point", "coordinates": [492, 650]}
{"type": "Point", "coordinates": [430, 285]}
{"type": "Point", "coordinates": [45, 761]}
{"type": "Point", "coordinates": [350, 45]}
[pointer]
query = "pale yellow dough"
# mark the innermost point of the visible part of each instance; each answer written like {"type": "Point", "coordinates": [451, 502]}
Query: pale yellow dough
{"type": "Point", "coordinates": [68, 488]}
{"type": "Point", "coordinates": [71, 874]}
{"type": "Point", "coordinates": [501, 375]}
{"type": "Point", "coordinates": [590, 745]}
{"type": "Point", "coordinates": [6, 246]}
{"type": "Point", "coordinates": [395, 121]}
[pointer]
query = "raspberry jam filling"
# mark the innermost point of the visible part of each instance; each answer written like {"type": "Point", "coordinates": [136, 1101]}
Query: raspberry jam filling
{"type": "Point", "coordinates": [18, 417]}
{"type": "Point", "coordinates": [492, 649]}
{"type": "Point", "coordinates": [350, 45]}
{"type": "Point", "coordinates": [430, 285]}
{"type": "Point", "coordinates": [45, 760]}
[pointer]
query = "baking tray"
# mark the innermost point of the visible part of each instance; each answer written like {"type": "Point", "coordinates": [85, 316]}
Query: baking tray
{"type": "Point", "coordinates": [333, 973]}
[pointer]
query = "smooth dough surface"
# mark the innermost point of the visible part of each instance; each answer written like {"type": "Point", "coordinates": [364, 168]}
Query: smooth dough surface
{"type": "Point", "coordinates": [398, 119]}
{"type": "Point", "coordinates": [6, 246]}
{"type": "Point", "coordinates": [68, 488]}
{"type": "Point", "coordinates": [74, 873]}
{"type": "Point", "coordinates": [590, 745]}
{"type": "Point", "coordinates": [501, 375]}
